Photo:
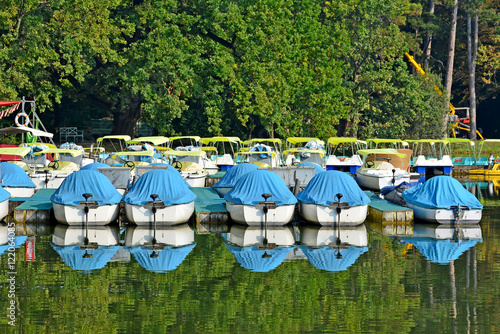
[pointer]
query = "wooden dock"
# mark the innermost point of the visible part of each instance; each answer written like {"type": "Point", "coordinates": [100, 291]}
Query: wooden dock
{"type": "Point", "coordinates": [210, 211]}
{"type": "Point", "coordinates": [35, 209]}
{"type": "Point", "coordinates": [382, 211]}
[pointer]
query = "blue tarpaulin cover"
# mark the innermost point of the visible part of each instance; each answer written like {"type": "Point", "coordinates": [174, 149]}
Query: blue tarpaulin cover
{"type": "Point", "coordinates": [324, 187]}
{"type": "Point", "coordinates": [234, 174]}
{"type": "Point", "coordinates": [250, 187]}
{"type": "Point", "coordinates": [13, 176]}
{"type": "Point", "coordinates": [73, 257]}
{"type": "Point", "coordinates": [18, 240]}
{"type": "Point", "coordinates": [325, 258]}
{"type": "Point", "coordinates": [169, 187]}
{"type": "Point", "coordinates": [86, 181]}
{"type": "Point", "coordinates": [317, 167]}
{"type": "Point", "coordinates": [170, 168]}
{"type": "Point", "coordinates": [4, 195]}
{"type": "Point", "coordinates": [168, 259]}
{"type": "Point", "coordinates": [441, 251]}
{"type": "Point", "coordinates": [441, 192]}
{"type": "Point", "coordinates": [93, 166]}
{"type": "Point", "coordinates": [251, 257]}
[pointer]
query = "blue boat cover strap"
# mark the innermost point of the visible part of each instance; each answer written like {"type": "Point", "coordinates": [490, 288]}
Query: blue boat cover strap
{"type": "Point", "coordinates": [441, 192]}
{"type": "Point", "coordinates": [170, 188]}
{"type": "Point", "coordinates": [234, 174]}
{"type": "Point", "coordinates": [250, 187]}
{"type": "Point", "coordinates": [324, 187]}
{"type": "Point", "coordinates": [71, 190]}
{"type": "Point", "coordinates": [14, 176]}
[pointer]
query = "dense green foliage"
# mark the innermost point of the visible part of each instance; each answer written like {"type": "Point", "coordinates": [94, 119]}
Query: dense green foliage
{"type": "Point", "coordinates": [252, 68]}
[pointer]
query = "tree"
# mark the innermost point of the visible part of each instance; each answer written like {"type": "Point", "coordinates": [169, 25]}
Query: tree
{"type": "Point", "coordinates": [472, 42]}
{"type": "Point", "coordinates": [451, 56]}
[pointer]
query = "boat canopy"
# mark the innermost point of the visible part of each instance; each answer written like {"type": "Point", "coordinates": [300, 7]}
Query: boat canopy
{"type": "Point", "coordinates": [441, 192]}
{"type": "Point", "coordinates": [14, 176]}
{"type": "Point", "coordinates": [304, 151]}
{"type": "Point", "coordinates": [168, 186]}
{"type": "Point", "coordinates": [441, 251]}
{"type": "Point", "coordinates": [71, 190]}
{"type": "Point", "coordinates": [169, 258]}
{"type": "Point", "coordinates": [298, 140]}
{"type": "Point", "coordinates": [252, 258]}
{"type": "Point", "coordinates": [118, 137]}
{"type": "Point", "coordinates": [317, 168]}
{"type": "Point", "coordinates": [74, 257]}
{"type": "Point", "coordinates": [196, 153]}
{"type": "Point", "coordinates": [155, 140]}
{"type": "Point", "coordinates": [324, 187]}
{"type": "Point", "coordinates": [249, 188]}
{"type": "Point", "coordinates": [4, 194]}
{"type": "Point", "coordinates": [341, 140]}
{"type": "Point", "coordinates": [325, 258]}
{"type": "Point", "coordinates": [206, 141]}
{"type": "Point", "coordinates": [14, 130]}
{"type": "Point", "coordinates": [73, 153]}
{"type": "Point", "coordinates": [195, 138]}
{"type": "Point", "coordinates": [234, 174]}
{"type": "Point", "coordinates": [114, 155]}
{"type": "Point", "coordinates": [20, 151]}
{"type": "Point", "coordinates": [382, 151]}
{"type": "Point", "coordinates": [262, 140]}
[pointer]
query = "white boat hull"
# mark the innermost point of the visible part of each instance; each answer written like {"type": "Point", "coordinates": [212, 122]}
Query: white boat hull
{"type": "Point", "coordinates": [170, 215]}
{"type": "Point", "coordinates": [445, 216]}
{"type": "Point", "coordinates": [316, 236]}
{"type": "Point", "coordinates": [72, 215]}
{"type": "Point", "coordinates": [377, 179]}
{"type": "Point", "coordinates": [176, 236]}
{"type": "Point", "coordinates": [323, 215]}
{"type": "Point", "coordinates": [20, 191]}
{"type": "Point", "coordinates": [51, 181]}
{"type": "Point", "coordinates": [222, 191]}
{"type": "Point", "coordinates": [195, 179]}
{"type": "Point", "coordinates": [250, 215]}
{"type": "Point", "coordinates": [75, 235]}
{"type": "Point", "coordinates": [245, 236]}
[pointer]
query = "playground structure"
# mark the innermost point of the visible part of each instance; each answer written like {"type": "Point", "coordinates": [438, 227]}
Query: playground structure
{"type": "Point", "coordinates": [459, 118]}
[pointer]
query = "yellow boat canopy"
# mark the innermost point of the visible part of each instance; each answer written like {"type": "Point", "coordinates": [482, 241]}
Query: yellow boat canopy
{"type": "Point", "coordinates": [187, 153]}
{"type": "Point", "coordinates": [206, 141]}
{"type": "Point", "coordinates": [460, 140]}
{"type": "Point", "coordinates": [21, 151]}
{"type": "Point", "coordinates": [262, 140]}
{"type": "Point", "coordinates": [49, 145]}
{"type": "Point", "coordinates": [296, 150]}
{"type": "Point", "coordinates": [341, 140]}
{"type": "Point", "coordinates": [378, 141]}
{"type": "Point", "coordinates": [133, 153]}
{"type": "Point", "coordinates": [73, 153]}
{"type": "Point", "coordinates": [297, 140]}
{"type": "Point", "coordinates": [155, 140]}
{"type": "Point", "coordinates": [122, 137]}
{"type": "Point", "coordinates": [195, 138]}
{"type": "Point", "coordinates": [381, 151]}
{"type": "Point", "coordinates": [433, 141]}
{"type": "Point", "coordinates": [272, 153]}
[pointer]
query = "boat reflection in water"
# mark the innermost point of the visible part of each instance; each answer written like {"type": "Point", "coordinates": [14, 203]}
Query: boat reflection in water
{"type": "Point", "coordinates": [4, 239]}
{"type": "Point", "coordinates": [260, 249]}
{"type": "Point", "coordinates": [162, 248]}
{"type": "Point", "coordinates": [86, 248]}
{"type": "Point", "coordinates": [443, 244]}
{"type": "Point", "coordinates": [333, 249]}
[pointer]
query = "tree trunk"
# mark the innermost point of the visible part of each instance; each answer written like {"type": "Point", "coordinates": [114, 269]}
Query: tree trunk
{"type": "Point", "coordinates": [125, 122]}
{"type": "Point", "coordinates": [472, 41]}
{"type": "Point", "coordinates": [428, 39]}
{"type": "Point", "coordinates": [451, 56]}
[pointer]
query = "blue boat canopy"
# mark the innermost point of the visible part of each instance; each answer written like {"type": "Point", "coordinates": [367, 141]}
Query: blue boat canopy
{"type": "Point", "coordinates": [73, 257]}
{"type": "Point", "coordinates": [4, 194]}
{"type": "Point", "coordinates": [168, 259]}
{"type": "Point", "coordinates": [12, 175]}
{"type": "Point", "coordinates": [250, 187]}
{"type": "Point", "coordinates": [324, 187]}
{"type": "Point", "coordinates": [170, 188]}
{"type": "Point", "coordinates": [71, 190]}
{"type": "Point", "coordinates": [441, 192]}
{"type": "Point", "coordinates": [93, 166]}
{"type": "Point", "coordinates": [324, 258]}
{"type": "Point", "coordinates": [234, 174]}
{"type": "Point", "coordinates": [251, 257]}
{"type": "Point", "coordinates": [318, 168]}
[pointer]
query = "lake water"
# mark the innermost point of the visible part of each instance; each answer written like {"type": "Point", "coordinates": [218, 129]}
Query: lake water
{"type": "Point", "coordinates": [400, 281]}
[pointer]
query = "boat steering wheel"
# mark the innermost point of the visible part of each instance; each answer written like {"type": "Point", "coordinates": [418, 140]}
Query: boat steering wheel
{"type": "Point", "coordinates": [370, 164]}
{"type": "Point", "coordinates": [129, 164]}
{"type": "Point", "coordinates": [177, 165]}
{"type": "Point", "coordinates": [53, 164]}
